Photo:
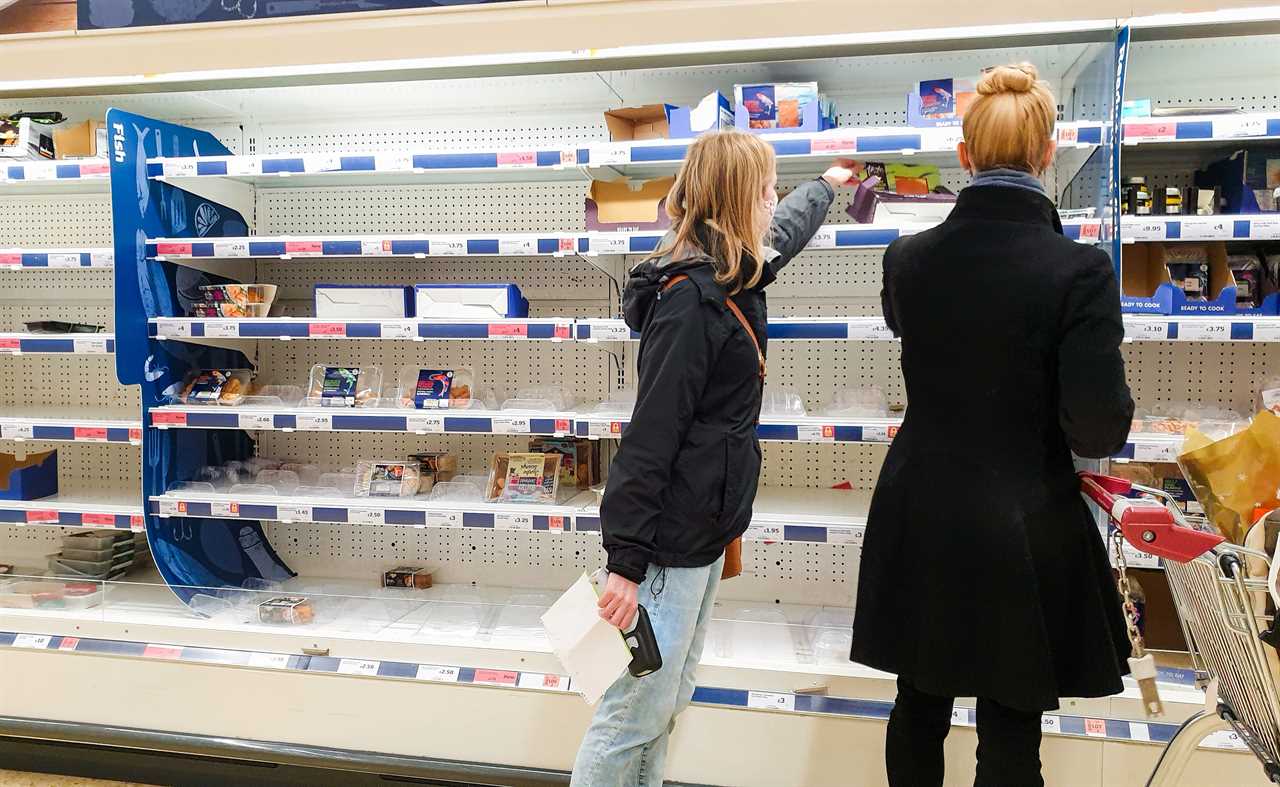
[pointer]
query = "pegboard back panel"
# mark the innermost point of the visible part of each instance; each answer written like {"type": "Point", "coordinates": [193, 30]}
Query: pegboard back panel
{"type": "Point", "coordinates": [79, 384]}
{"type": "Point", "coordinates": [1236, 71]}
{"type": "Point", "coordinates": [56, 220]}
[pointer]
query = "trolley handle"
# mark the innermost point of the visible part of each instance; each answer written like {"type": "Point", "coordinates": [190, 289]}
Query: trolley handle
{"type": "Point", "coordinates": [1149, 526]}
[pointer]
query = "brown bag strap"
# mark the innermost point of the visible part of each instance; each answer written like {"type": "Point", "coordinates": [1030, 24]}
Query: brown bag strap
{"type": "Point", "coordinates": [733, 307]}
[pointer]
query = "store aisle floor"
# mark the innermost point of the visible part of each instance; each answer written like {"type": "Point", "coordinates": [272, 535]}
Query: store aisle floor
{"type": "Point", "coordinates": [21, 779]}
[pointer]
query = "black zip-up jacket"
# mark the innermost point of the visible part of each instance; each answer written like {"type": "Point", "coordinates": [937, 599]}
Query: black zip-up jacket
{"type": "Point", "coordinates": [683, 482]}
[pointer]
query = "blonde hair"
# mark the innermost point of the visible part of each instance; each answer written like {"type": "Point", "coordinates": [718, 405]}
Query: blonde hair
{"type": "Point", "coordinates": [1011, 121]}
{"type": "Point", "coordinates": [721, 184]}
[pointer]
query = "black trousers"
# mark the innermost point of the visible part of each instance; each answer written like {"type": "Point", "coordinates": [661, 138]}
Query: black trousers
{"type": "Point", "coordinates": [1008, 742]}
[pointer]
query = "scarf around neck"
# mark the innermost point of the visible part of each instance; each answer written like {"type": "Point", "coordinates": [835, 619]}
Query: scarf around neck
{"type": "Point", "coordinates": [1009, 178]}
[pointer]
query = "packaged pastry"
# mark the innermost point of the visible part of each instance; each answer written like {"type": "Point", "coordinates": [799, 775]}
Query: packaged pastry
{"type": "Point", "coordinates": [434, 468]}
{"type": "Point", "coordinates": [523, 478]}
{"type": "Point", "coordinates": [407, 577]}
{"type": "Point", "coordinates": [293, 610]}
{"type": "Point", "coordinates": [344, 386]}
{"type": "Point", "coordinates": [579, 458]}
{"type": "Point", "coordinates": [425, 389]}
{"type": "Point", "coordinates": [386, 479]}
{"type": "Point", "coordinates": [215, 386]}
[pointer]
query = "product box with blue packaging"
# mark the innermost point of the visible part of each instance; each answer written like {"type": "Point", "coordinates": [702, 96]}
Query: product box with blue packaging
{"type": "Point", "coordinates": [1248, 180]}
{"type": "Point", "coordinates": [628, 206]}
{"type": "Point", "coordinates": [469, 301]}
{"type": "Point", "coordinates": [940, 102]}
{"type": "Point", "coordinates": [712, 113]}
{"type": "Point", "coordinates": [783, 106]}
{"type": "Point", "coordinates": [29, 478]}
{"type": "Point", "coordinates": [374, 301]}
{"type": "Point", "coordinates": [1183, 279]}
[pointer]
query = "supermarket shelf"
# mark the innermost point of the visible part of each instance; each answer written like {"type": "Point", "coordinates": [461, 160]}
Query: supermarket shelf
{"type": "Point", "coordinates": [565, 160]}
{"type": "Point", "coordinates": [363, 419]}
{"type": "Point", "coordinates": [60, 424]}
{"type": "Point", "coordinates": [1200, 228]}
{"type": "Point", "coordinates": [780, 328]}
{"type": "Point", "coordinates": [552, 329]}
{"type": "Point", "coordinates": [1202, 128]}
{"type": "Point", "coordinates": [803, 429]}
{"type": "Point", "coordinates": [21, 259]}
{"type": "Point", "coordinates": [811, 516]}
{"type": "Point", "coordinates": [66, 343]}
{"type": "Point", "coordinates": [831, 236]}
{"type": "Point", "coordinates": [63, 177]}
{"type": "Point", "coordinates": [69, 510]}
{"type": "Point", "coordinates": [1171, 328]}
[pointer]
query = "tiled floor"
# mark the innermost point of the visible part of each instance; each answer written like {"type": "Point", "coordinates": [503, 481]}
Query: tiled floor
{"type": "Point", "coordinates": [16, 779]}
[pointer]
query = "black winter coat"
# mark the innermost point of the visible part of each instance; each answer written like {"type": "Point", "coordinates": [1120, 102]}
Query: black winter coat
{"type": "Point", "coordinates": [982, 572]}
{"type": "Point", "coordinates": [683, 481]}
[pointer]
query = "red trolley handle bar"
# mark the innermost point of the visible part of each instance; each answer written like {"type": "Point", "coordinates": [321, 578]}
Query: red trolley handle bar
{"type": "Point", "coordinates": [1146, 524]}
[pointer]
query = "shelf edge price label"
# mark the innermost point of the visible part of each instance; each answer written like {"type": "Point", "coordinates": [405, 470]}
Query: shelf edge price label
{"type": "Point", "coordinates": [221, 329]}
{"type": "Point", "coordinates": [161, 418]}
{"type": "Point", "coordinates": [523, 159]}
{"type": "Point", "coordinates": [327, 329]}
{"type": "Point", "coordinates": [428, 422]}
{"type": "Point", "coordinates": [1096, 728]}
{"type": "Point", "coordinates": [815, 433]}
{"type": "Point", "coordinates": [170, 507]}
{"type": "Point", "coordinates": [844, 535]}
{"type": "Point", "coordinates": [392, 162]}
{"type": "Point", "coordinates": [1264, 227]}
{"type": "Point", "coordinates": [269, 660]}
{"type": "Point", "coordinates": [102, 259]}
{"type": "Point", "coordinates": [1051, 724]}
{"type": "Point", "coordinates": [98, 520]}
{"type": "Point", "coordinates": [879, 434]}
{"type": "Point", "coordinates": [608, 243]}
{"type": "Point", "coordinates": [508, 330]}
{"type": "Point", "coordinates": [1150, 132]}
{"type": "Point", "coordinates": [1200, 330]}
{"type": "Point", "coordinates": [494, 677]}
{"type": "Point", "coordinates": [1206, 228]}
{"type": "Point", "coordinates": [179, 168]}
{"type": "Point", "coordinates": [231, 248]}
{"type": "Point", "coordinates": [766, 533]}
{"type": "Point", "coordinates": [224, 510]}
{"type": "Point", "coordinates": [1150, 331]}
{"type": "Point", "coordinates": [42, 517]}
{"type": "Point", "coordinates": [437, 674]}
{"type": "Point", "coordinates": [509, 425]}
{"type": "Point", "coordinates": [504, 521]}
{"type": "Point", "coordinates": [1231, 126]}
{"type": "Point", "coordinates": [770, 700]}
{"type": "Point", "coordinates": [396, 329]}
{"type": "Point", "coordinates": [1156, 452]}
{"type": "Point", "coordinates": [824, 238]}
{"type": "Point", "coordinates": [604, 155]}
{"type": "Point", "coordinates": [544, 681]}
{"type": "Point", "coordinates": [313, 422]}
{"type": "Point", "coordinates": [10, 345]}
{"type": "Point", "coordinates": [18, 431]}
{"type": "Point", "coordinates": [64, 260]}
{"type": "Point", "coordinates": [323, 162]}
{"type": "Point", "coordinates": [555, 524]}
{"type": "Point", "coordinates": [358, 667]}
{"type": "Point", "coordinates": [94, 346]}
{"type": "Point", "coordinates": [34, 641]}
{"type": "Point", "coordinates": [137, 523]}
{"type": "Point", "coordinates": [834, 145]}
{"type": "Point", "coordinates": [444, 518]}
{"type": "Point", "coordinates": [90, 434]}
{"type": "Point", "coordinates": [293, 513]}
{"type": "Point", "coordinates": [1266, 331]}
{"type": "Point", "coordinates": [615, 331]}
{"type": "Point", "coordinates": [875, 330]}
{"type": "Point", "coordinates": [447, 247]}
{"type": "Point", "coordinates": [256, 421]}
{"type": "Point", "coordinates": [1139, 731]}
{"type": "Point", "coordinates": [517, 246]}
{"type": "Point", "coordinates": [367, 516]}
{"type": "Point", "coordinates": [10, 260]}
{"type": "Point", "coordinates": [176, 329]}
{"type": "Point", "coordinates": [243, 165]}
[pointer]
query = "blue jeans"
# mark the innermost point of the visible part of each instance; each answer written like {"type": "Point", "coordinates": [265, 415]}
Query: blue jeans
{"type": "Point", "coordinates": [626, 744]}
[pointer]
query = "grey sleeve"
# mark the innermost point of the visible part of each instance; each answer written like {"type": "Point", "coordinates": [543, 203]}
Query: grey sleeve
{"type": "Point", "coordinates": [797, 218]}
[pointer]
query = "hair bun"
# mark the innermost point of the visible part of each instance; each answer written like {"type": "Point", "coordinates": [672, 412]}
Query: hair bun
{"type": "Point", "coordinates": [1017, 78]}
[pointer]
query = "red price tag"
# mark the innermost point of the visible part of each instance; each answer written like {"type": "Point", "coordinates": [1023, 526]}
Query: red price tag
{"type": "Point", "coordinates": [893, 431]}
{"type": "Point", "coordinates": [566, 244]}
{"type": "Point", "coordinates": [327, 329]}
{"type": "Point", "coordinates": [562, 425]}
{"type": "Point", "coordinates": [173, 249]}
{"type": "Point", "coordinates": [90, 433]}
{"type": "Point", "coordinates": [161, 652]}
{"type": "Point", "coordinates": [562, 332]}
{"type": "Point", "coordinates": [833, 145]}
{"type": "Point", "coordinates": [135, 435]}
{"type": "Point", "coordinates": [108, 520]}
{"type": "Point", "coordinates": [615, 427]}
{"type": "Point", "coordinates": [1095, 727]}
{"type": "Point", "coordinates": [1150, 130]}
{"type": "Point", "coordinates": [10, 259]}
{"type": "Point", "coordinates": [523, 159]}
{"type": "Point", "coordinates": [508, 329]}
{"type": "Point", "coordinates": [41, 517]}
{"type": "Point", "coordinates": [555, 524]}
{"type": "Point", "coordinates": [496, 677]}
{"type": "Point", "coordinates": [10, 344]}
{"type": "Point", "coordinates": [96, 168]}
{"type": "Point", "coordinates": [1090, 231]}
{"type": "Point", "coordinates": [137, 524]}
{"type": "Point", "coordinates": [68, 643]}
{"type": "Point", "coordinates": [303, 247]}
{"type": "Point", "coordinates": [161, 418]}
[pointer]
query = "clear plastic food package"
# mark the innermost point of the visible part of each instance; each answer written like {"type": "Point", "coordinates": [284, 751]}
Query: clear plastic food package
{"type": "Point", "coordinates": [426, 389]}
{"type": "Point", "coordinates": [523, 478]}
{"type": "Point", "coordinates": [292, 610]}
{"type": "Point", "coordinates": [387, 479]}
{"type": "Point", "coordinates": [541, 399]}
{"type": "Point", "coordinates": [868, 402]}
{"type": "Point", "coordinates": [779, 401]}
{"type": "Point", "coordinates": [343, 386]}
{"type": "Point", "coordinates": [227, 387]}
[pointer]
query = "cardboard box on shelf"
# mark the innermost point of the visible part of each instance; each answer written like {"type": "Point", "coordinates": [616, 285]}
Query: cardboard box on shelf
{"type": "Point", "coordinates": [632, 124]}
{"type": "Point", "coordinates": [628, 206]}
{"type": "Point", "coordinates": [1146, 286]}
{"type": "Point", "coordinates": [86, 139]}
{"type": "Point", "coordinates": [579, 459]}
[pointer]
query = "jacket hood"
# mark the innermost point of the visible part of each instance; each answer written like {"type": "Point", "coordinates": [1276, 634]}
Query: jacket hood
{"type": "Point", "coordinates": [647, 280]}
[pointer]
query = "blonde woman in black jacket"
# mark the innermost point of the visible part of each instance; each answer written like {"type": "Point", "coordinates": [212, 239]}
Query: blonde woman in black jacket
{"type": "Point", "coordinates": [982, 573]}
{"type": "Point", "coordinates": [681, 487]}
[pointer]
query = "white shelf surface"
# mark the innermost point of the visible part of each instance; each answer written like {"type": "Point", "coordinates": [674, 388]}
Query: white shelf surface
{"type": "Point", "coordinates": [53, 259]}
{"type": "Point", "coordinates": [61, 177]}
{"type": "Point", "coordinates": [57, 343]}
{"type": "Point", "coordinates": [75, 510]}
{"type": "Point", "coordinates": [573, 159]}
{"type": "Point", "coordinates": [287, 328]}
{"type": "Point", "coordinates": [364, 419]}
{"type": "Point", "coordinates": [63, 424]}
{"type": "Point", "coordinates": [1219, 129]}
{"type": "Point", "coordinates": [309, 247]}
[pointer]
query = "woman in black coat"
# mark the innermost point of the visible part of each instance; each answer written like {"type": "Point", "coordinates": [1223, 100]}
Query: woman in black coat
{"type": "Point", "coordinates": [983, 573]}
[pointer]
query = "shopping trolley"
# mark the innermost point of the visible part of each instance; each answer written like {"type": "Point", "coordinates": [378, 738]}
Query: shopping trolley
{"type": "Point", "coordinates": [1221, 599]}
